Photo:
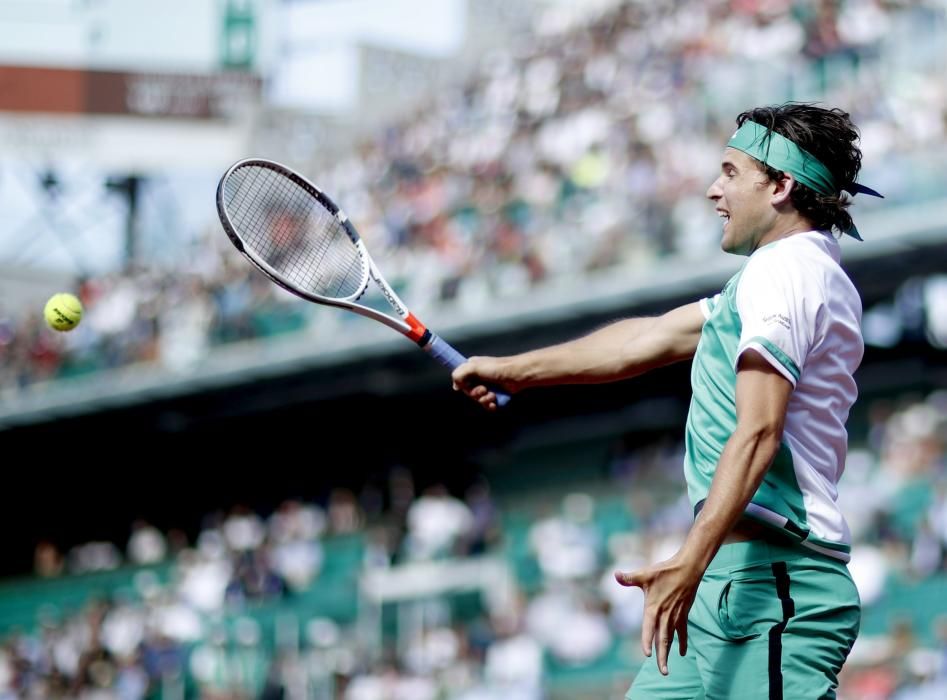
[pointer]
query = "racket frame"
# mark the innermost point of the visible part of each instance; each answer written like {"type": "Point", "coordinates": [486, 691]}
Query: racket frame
{"type": "Point", "coordinates": [407, 324]}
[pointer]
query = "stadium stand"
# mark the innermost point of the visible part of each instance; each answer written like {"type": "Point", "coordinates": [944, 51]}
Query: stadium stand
{"type": "Point", "coordinates": [287, 590]}
{"type": "Point", "coordinates": [608, 128]}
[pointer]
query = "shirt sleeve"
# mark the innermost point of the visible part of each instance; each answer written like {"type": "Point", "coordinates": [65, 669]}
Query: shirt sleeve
{"type": "Point", "coordinates": [707, 305]}
{"type": "Point", "coordinates": [775, 312]}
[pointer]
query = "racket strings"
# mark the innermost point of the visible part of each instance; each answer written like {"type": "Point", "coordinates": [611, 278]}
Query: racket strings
{"type": "Point", "coordinates": [289, 229]}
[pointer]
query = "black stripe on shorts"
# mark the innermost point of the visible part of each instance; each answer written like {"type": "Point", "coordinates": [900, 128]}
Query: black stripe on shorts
{"type": "Point", "coordinates": [776, 631]}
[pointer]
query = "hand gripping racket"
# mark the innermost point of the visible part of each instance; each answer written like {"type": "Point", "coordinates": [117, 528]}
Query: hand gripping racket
{"type": "Point", "coordinates": [301, 240]}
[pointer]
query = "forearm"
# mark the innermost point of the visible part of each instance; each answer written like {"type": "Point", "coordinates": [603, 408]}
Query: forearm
{"type": "Point", "coordinates": [620, 350]}
{"type": "Point", "coordinates": [745, 460]}
{"type": "Point", "coordinates": [597, 357]}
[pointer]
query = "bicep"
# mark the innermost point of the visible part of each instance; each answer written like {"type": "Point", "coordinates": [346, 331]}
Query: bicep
{"type": "Point", "coordinates": [762, 395]}
{"type": "Point", "coordinates": [679, 330]}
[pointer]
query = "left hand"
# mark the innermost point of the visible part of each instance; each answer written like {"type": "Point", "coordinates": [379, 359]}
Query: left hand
{"type": "Point", "coordinates": [669, 589]}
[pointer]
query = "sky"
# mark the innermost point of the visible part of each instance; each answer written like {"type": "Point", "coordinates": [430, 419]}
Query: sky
{"type": "Point", "coordinates": [319, 43]}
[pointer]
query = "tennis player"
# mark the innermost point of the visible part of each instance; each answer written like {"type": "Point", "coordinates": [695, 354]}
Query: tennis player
{"type": "Point", "coordinates": [759, 595]}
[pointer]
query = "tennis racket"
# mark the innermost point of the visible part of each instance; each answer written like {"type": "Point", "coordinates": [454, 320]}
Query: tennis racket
{"type": "Point", "coordinates": [289, 229]}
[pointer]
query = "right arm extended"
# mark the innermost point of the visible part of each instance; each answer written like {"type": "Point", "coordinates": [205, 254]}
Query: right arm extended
{"type": "Point", "coordinates": [620, 350]}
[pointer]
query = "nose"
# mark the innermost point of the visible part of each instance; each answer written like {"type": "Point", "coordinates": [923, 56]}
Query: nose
{"type": "Point", "coordinates": [714, 192]}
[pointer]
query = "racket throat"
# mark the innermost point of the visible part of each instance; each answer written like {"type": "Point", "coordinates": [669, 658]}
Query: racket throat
{"type": "Point", "coordinates": [418, 333]}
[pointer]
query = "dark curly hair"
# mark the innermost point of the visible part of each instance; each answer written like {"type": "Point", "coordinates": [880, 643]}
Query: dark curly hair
{"type": "Point", "coordinates": [830, 136]}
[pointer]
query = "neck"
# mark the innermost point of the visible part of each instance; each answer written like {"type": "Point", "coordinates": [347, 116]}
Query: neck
{"type": "Point", "coordinates": [784, 227]}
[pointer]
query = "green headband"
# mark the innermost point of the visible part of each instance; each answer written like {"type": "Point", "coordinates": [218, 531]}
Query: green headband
{"type": "Point", "coordinates": [782, 154]}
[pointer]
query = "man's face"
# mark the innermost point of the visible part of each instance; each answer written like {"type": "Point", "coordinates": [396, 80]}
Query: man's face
{"type": "Point", "coordinates": [741, 195]}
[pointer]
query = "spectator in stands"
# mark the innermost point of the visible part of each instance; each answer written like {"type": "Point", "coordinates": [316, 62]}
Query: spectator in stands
{"type": "Point", "coordinates": [146, 544]}
{"type": "Point", "coordinates": [294, 532]}
{"type": "Point", "coordinates": [243, 530]}
{"type": "Point", "coordinates": [343, 512]}
{"type": "Point", "coordinates": [437, 523]}
{"type": "Point", "coordinates": [774, 356]}
{"type": "Point", "coordinates": [94, 556]}
{"type": "Point", "coordinates": [568, 545]}
{"type": "Point", "coordinates": [485, 528]}
{"type": "Point", "coordinates": [254, 579]}
{"type": "Point", "coordinates": [47, 560]}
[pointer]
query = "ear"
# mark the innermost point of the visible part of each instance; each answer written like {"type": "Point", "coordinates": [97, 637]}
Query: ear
{"type": "Point", "coordinates": [782, 189]}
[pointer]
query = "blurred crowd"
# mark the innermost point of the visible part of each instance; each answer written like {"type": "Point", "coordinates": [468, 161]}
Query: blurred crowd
{"type": "Point", "coordinates": [197, 627]}
{"type": "Point", "coordinates": [186, 627]}
{"type": "Point", "coordinates": [585, 146]}
{"type": "Point", "coordinates": [894, 495]}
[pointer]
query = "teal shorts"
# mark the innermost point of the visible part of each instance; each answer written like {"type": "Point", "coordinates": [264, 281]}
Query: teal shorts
{"type": "Point", "coordinates": [769, 621]}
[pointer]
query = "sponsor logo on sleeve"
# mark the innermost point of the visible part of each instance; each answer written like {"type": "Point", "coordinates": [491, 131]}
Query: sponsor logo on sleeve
{"type": "Point", "coordinates": [777, 319]}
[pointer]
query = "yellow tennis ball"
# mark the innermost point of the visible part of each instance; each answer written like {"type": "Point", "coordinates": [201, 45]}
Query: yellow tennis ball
{"type": "Point", "coordinates": [63, 312]}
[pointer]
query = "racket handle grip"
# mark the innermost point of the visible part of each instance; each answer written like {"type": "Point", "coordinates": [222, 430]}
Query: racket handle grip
{"type": "Point", "coordinates": [443, 352]}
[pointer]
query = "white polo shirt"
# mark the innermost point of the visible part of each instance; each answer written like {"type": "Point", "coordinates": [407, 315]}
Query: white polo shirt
{"type": "Point", "coordinates": [792, 303]}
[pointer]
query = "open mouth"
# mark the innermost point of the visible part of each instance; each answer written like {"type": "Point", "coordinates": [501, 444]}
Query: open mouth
{"type": "Point", "coordinates": [725, 215]}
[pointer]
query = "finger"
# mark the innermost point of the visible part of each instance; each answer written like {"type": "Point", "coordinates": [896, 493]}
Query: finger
{"type": "Point", "coordinates": [665, 640]}
{"type": "Point", "coordinates": [459, 375]}
{"type": "Point", "coordinates": [647, 633]}
{"type": "Point", "coordinates": [682, 636]}
{"type": "Point", "coordinates": [631, 578]}
{"type": "Point", "coordinates": [465, 377]}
